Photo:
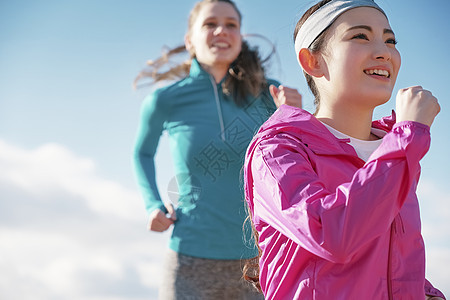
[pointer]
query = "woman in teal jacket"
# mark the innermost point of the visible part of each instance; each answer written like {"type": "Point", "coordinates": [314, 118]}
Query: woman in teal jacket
{"type": "Point", "coordinates": [210, 116]}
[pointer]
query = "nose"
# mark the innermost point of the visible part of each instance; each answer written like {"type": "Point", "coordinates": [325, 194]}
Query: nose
{"type": "Point", "coordinates": [220, 30]}
{"type": "Point", "coordinates": [382, 52]}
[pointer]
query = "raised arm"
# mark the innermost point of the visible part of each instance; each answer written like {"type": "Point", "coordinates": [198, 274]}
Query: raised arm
{"type": "Point", "coordinates": [288, 194]}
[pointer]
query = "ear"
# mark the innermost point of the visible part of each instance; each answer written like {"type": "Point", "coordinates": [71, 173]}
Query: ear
{"type": "Point", "coordinates": [311, 62]}
{"type": "Point", "coordinates": [187, 43]}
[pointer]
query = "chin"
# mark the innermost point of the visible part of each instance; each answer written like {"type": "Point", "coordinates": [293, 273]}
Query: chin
{"type": "Point", "coordinates": [371, 100]}
{"type": "Point", "coordinates": [381, 99]}
{"type": "Point", "coordinates": [380, 96]}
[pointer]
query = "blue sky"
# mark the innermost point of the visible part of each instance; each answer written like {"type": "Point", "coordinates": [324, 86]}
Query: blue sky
{"type": "Point", "coordinates": [72, 223]}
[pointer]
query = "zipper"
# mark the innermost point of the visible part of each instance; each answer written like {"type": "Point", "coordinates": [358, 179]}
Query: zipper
{"type": "Point", "coordinates": [219, 108]}
{"type": "Point", "coordinates": [389, 283]}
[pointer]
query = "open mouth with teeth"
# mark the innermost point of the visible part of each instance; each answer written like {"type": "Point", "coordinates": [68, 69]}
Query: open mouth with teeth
{"type": "Point", "coordinates": [221, 45]}
{"type": "Point", "coordinates": [382, 73]}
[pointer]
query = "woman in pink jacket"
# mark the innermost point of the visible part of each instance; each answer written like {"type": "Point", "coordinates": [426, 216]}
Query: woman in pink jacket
{"type": "Point", "coordinates": [332, 195]}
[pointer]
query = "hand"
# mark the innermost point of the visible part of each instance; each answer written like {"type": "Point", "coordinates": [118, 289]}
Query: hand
{"type": "Point", "coordinates": [416, 104]}
{"type": "Point", "coordinates": [158, 221]}
{"type": "Point", "coordinates": [433, 298]}
{"type": "Point", "coordinates": [285, 95]}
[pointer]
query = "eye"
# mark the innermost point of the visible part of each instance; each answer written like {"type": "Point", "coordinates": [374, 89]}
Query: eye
{"type": "Point", "coordinates": [209, 24]}
{"type": "Point", "coordinates": [360, 36]}
{"type": "Point", "coordinates": [232, 25]}
{"type": "Point", "coordinates": [392, 41]}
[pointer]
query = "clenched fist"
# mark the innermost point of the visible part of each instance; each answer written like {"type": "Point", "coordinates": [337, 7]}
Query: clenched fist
{"type": "Point", "coordinates": [416, 104]}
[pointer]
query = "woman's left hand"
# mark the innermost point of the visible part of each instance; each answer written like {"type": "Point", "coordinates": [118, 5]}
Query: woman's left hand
{"type": "Point", "coordinates": [284, 95]}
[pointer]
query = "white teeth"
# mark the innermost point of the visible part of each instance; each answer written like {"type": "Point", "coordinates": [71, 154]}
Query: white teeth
{"type": "Point", "coordinates": [378, 72]}
{"type": "Point", "coordinates": [221, 45]}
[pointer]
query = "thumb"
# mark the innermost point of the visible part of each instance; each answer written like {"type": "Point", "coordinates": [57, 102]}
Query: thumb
{"type": "Point", "coordinates": [274, 91]}
{"type": "Point", "coordinates": [171, 211]}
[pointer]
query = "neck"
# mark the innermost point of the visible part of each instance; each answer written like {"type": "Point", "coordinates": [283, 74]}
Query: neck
{"type": "Point", "coordinates": [353, 122]}
{"type": "Point", "coordinates": [216, 71]}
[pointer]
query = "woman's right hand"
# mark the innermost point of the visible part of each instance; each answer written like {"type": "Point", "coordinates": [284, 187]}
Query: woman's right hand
{"type": "Point", "coordinates": [158, 221]}
{"type": "Point", "coordinates": [285, 95]}
{"type": "Point", "coordinates": [416, 104]}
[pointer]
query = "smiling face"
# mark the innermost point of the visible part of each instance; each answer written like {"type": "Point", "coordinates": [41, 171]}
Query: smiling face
{"type": "Point", "coordinates": [215, 37]}
{"type": "Point", "coordinates": [360, 62]}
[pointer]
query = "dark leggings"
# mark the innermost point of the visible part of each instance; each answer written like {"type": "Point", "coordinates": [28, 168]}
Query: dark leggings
{"type": "Point", "coordinates": [192, 278]}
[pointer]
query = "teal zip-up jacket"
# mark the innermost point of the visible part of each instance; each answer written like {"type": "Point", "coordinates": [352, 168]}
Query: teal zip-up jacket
{"type": "Point", "coordinates": [208, 135]}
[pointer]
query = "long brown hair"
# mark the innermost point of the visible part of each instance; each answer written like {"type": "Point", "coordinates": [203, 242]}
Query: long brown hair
{"type": "Point", "coordinates": [251, 268]}
{"type": "Point", "coordinates": [246, 73]}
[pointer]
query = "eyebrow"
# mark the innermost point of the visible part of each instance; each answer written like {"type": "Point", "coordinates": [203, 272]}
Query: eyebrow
{"type": "Point", "coordinates": [368, 28]}
{"type": "Point", "coordinates": [228, 18]}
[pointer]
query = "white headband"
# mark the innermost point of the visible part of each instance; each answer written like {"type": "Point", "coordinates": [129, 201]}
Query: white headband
{"type": "Point", "coordinates": [324, 17]}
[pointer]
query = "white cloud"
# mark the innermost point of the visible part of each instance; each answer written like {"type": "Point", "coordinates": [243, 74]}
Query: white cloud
{"type": "Point", "coordinates": [52, 167]}
{"type": "Point", "coordinates": [68, 233]}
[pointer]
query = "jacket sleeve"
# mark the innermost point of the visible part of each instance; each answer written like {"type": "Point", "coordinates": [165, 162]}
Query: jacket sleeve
{"type": "Point", "coordinates": [289, 195]}
{"type": "Point", "coordinates": [153, 115]}
{"type": "Point", "coordinates": [430, 290]}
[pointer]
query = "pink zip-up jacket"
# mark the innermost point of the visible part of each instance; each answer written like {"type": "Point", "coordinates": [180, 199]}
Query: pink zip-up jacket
{"type": "Point", "coordinates": [330, 225]}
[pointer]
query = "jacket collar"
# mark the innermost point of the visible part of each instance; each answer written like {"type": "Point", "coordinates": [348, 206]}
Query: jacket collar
{"type": "Point", "coordinates": [385, 123]}
{"type": "Point", "coordinates": [196, 70]}
{"type": "Point", "coordinates": [304, 126]}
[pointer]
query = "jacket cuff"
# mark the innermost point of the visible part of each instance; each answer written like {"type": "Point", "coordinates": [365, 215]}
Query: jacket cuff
{"type": "Point", "coordinates": [159, 206]}
{"type": "Point", "coordinates": [412, 124]}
